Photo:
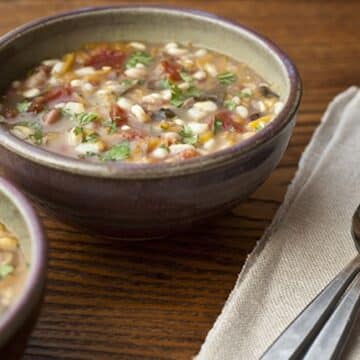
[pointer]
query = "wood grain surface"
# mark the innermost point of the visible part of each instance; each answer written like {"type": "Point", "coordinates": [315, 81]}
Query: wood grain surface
{"type": "Point", "coordinates": [158, 299]}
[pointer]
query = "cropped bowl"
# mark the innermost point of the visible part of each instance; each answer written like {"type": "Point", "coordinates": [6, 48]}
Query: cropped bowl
{"type": "Point", "coordinates": [19, 319]}
{"type": "Point", "coordinates": [141, 200]}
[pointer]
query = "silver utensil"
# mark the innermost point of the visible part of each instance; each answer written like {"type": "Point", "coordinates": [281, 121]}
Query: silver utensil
{"type": "Point", "coordinates": [321, 330]}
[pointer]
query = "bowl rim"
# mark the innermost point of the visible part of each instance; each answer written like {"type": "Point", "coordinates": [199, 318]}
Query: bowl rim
{"type": "Point", "coordinates": [117, 170]}
{"type": "Point", "coordinates": [18, 313]}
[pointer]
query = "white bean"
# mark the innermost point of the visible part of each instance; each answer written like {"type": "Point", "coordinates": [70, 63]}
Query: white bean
{"type": "Point", "coordinates": [207, 106]}
{"type": "Point", "coordinates": [198, 128]}
{"type": "Point", "coordinates": [58, 67]}
{"type": "Point", "coordinates": [242, 111]}
{"type": "Point", "coordinates": [166, 94]}
{"type": "Point", "coordinates": [199, 75]}
{"type": "Point", "coordinates": [139, 113]}
{"type": "Point", "coordinates": [178, 148]}
{"type": "Point", "coordinates": [124, 103]}
{"type": "Point", "coordinates": [74, 136]}
{"type": "Point", "coordinates": [209, 144]}
{"type": "Point", "coordinates": [211, 69]}
{"type": "Point", "coordinates": [137, 45]}
{"type": "Point", "coordinates": [200, 53]}
{"type": "Point", "coordinates": [196, 114]}
{"type": "Point", "coordinates": [31, 93]}
{"type": "Point", "coordinates": [135, 72]}
{"type": "Point", "coordinates": [278, 106]}
{"type": "Point", "coordinates": [85, 71]}
{"type": "Point", "coordinates": [85, 148]}
{"type": "Point", "coordinates": [75, 82]}
{"type": "Point", "coordinates": [74, 107]}
{"type": "Point", "coordinates": [152, 98]}
{"type": "Point", "coordinates": [160, 153]}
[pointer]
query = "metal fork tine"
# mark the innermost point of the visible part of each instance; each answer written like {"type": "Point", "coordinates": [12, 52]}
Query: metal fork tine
{"type": "Point", "coordinates": [297, 337]}
{"type": "Point", "coordinates": [331, 340]}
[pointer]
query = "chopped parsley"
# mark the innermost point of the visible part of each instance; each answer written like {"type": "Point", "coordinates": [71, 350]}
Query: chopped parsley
{"type": "Point", "coordinates": [260, 126]}
{"type": "Point", "coordinates": [243, 94]}
{"type": "Point", "coordinates": [163, 146]}
{"type": "Point", "coordinates": [138, 57]}
{"type": "Point", "coordinates": [178, 96]}
{"type": "Point", "coordinates": [23, 106]}
{"type": "Point", "coordinates": [185, 76]}
{"type": "Point", "coordinates": [85, 118]}
{"type": "Point", "coordinates": [37, 135]}
{"type": "Point", "coordinates": [226, 78]}
{"type": "Point", "coordinates": [230, 104]}
{"type": "Point", "coordinates": [5, 270]}
{"type": "Point", "coordinates": [78, 130]}
{"type": "Point", "coordinates": [188, 137]}
{"type": "Point", "coordinates": [117, 152]}
{"type": "Point", "coordinates": [91, 138]}
{"type": "Point", "coordinates": [217, 125]}
{"type": "Point", "coordinates": [128, 82]}
{"type": "Point", "coordinates": [111, 126]}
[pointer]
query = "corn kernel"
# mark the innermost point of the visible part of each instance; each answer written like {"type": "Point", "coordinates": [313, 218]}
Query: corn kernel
{"type": "Point", "coordinates": [204, 137]}
{"type": "Point", "coordinates": [68, 60]}
{"type": "Point", "coordinates": [164, 125]}
{"type": "Point", "coordinates": [153, 143]}
{"type": "Point", "coordinates": [259, 123]}
{"type": "Point", "coordinates": [8, 243]}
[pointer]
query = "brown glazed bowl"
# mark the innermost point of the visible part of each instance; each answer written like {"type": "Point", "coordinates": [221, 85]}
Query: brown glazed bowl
{"type": "Point", "coordinates": [144, 201]}
{"type": "Point", "coordinates": [18, 320]}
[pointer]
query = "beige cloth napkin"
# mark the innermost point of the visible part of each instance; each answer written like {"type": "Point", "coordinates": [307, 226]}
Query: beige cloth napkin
{"type": "Point", "coordinates": [308, 243]}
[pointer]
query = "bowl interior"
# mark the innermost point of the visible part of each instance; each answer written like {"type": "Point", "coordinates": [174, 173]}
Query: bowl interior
{"type": "Point", "coordinates": [69, 32]}
{"type": "Point", "coordinates": [14, 220]}
{"type": "Point", "coordinates": [51, 37]}
{"type": "Point", "coordinates": [17, 214]}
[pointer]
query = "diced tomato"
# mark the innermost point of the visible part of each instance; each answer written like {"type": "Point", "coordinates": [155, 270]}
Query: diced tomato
{"type": "Point", "coordinates": [228, 122]}
{"type": "Point", "coordinates": [118, 114]}
{"type": "Point", "coordinates": [10, 113]}
{"type": "Point", "coordinates": [131, 134]}
{"type": "Point", "coordinates": [106, 57]}
{"type": "Point", "coordinates": [188, 154]}
{"type": "Point", "coordinates": [172, 70]}
{"type": "Point", "coordinates": [39, 103]}
{"type": "Point", "coordinates": [56, 93]}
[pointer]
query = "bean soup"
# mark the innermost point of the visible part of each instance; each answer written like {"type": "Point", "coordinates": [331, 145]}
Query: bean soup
{"type": "Point", "coordinates": [140, 103]}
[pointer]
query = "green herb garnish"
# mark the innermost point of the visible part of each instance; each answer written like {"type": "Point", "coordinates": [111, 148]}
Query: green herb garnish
{"type": "Point", "coordinates": [218, 124]}
{"type": "Point", "coordinates": [179, 96]}
{"type": "Point", "coordinates": [85, 118]}
{"type": "Point", "coordinates": [231, 105]}
{"type": "Point", "coordinates": [111, 126]}
{"type": "Point", "coordinates": [37, 136]}
{"type": "Point", "coordinates": [226, 78]}
{"type": "Point", "coordinates": [78, 130]}
{"type": "Point", "coordinates": [243, 94]}
{"type": "Point", "coordinates": [91, 138]}
{"type": "Point", "coordinates": [138, 57]}
{"type": "Point", "coordinates": [188, 137]}
{"type": "Point", "coordinates": [128, 82]}
{"type": "Point", "coordinates": [185, 76]}
{"type": "Point", "coordinates": [23, 106]}
{"type": "Point", "coordinates": [5, 270]}
{"type": "Point", "coordinates": [117, 152]}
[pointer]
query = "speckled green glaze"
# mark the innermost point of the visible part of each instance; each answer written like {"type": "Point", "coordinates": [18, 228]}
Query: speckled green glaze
{"type": "Point", "coordinates": [141, 201]}
{"type": "Point", "coordinates": [17, 322]}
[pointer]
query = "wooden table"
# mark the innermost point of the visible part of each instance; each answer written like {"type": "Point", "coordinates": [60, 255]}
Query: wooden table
{"type": "Point", "coordinates": [157, 300]}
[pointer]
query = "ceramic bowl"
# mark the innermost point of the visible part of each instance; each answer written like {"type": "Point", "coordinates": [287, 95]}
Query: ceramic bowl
{"type": "Point", "coordinates": [142, 201]}
{"type": "Point", "coordinates": [18, 320]}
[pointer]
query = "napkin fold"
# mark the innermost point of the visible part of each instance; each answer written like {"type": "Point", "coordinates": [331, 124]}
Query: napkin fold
{"type": "Point", "coordinates": [306, 245]}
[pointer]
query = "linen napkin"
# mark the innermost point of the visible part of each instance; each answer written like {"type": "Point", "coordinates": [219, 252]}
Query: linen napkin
{"type": "Point", "coordinates": [306, 245]}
